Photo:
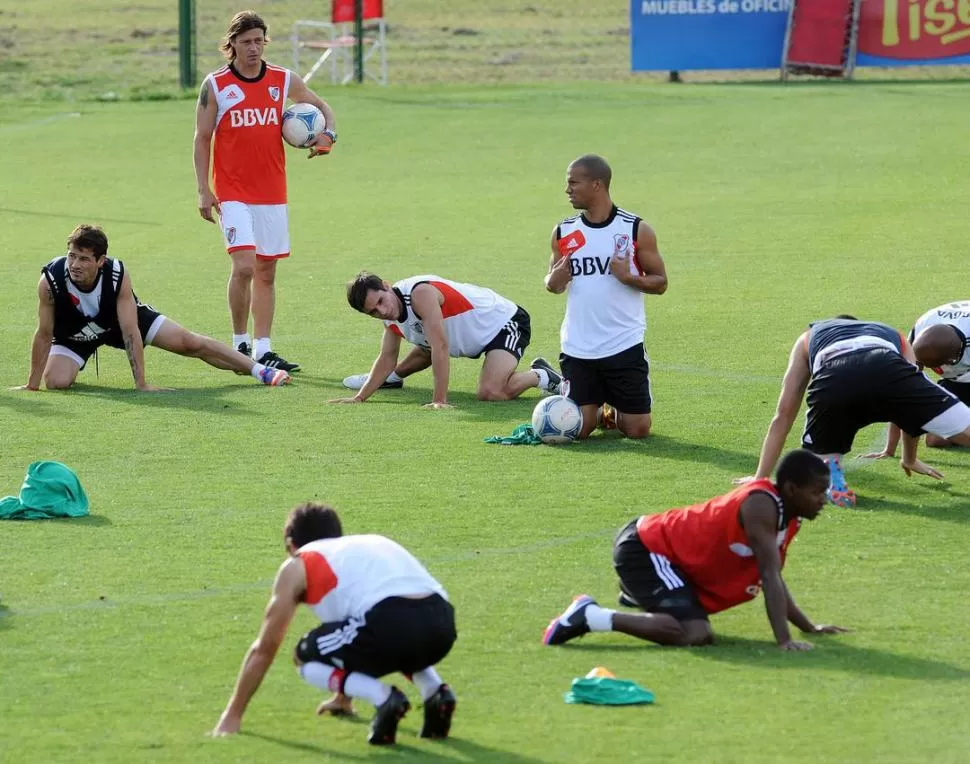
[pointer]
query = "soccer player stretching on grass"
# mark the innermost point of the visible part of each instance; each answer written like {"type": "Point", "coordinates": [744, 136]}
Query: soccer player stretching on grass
{"type": "Point", "coordinates": [857, 373]}
{"type": "Point", "coordinates": [86, 301]}
{"type": "Point", "coordinates": [381, 612]}
{"type": "Point", "coordinates": [683, 565]}
{"type": "Point", "coordinates": [445, 319]}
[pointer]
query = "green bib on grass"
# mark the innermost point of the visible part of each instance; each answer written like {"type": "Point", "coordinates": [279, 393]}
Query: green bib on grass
{"type": "Point", "coordinates": [606, 691]}
{"type": "Point", "coordinates": [50, 489]}
{"type": "Point", "coordinates": [523, 435]}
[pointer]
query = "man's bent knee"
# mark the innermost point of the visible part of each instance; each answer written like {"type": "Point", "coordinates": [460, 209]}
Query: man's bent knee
{"type": "Point", "coordinates": [490, 393]}
{"type": "Point", "coordinates": [935, 441]}
{"type": "Point", "coordinates": [57, 381]}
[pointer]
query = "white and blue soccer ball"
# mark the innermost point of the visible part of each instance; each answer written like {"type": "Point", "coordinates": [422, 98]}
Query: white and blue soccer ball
{"type": "Point", "coordinates": [557, 420]}
{"type": "Point", "coordinates": [302, 123]}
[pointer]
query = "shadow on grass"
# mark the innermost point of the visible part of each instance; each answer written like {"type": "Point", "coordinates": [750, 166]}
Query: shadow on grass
{"type": "Point", "coordinates": [468, 750]}
{"type": "Point", "coordinates": [190, 398]}
{"type": "Point", "coordinates": [832, 654]}
{"type": "Point", "coordinates": [936, 500]}
{"type": "Point", "coordinates": [5, 621]}
{"type": "Point", "coordinates": [28, 402]}
{"type": "Point", "coordinates": [88, 521]}
{"type": "Point", "coordinates": [71, 216]}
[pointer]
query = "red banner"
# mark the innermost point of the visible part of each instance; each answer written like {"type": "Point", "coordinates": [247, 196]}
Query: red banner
{"type": "Point", "coordinates": [914, 29]}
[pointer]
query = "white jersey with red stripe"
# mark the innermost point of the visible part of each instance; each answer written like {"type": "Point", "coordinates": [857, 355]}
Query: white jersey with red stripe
{"type": "Point", "coordinates": [604, 316]}
{"type": "Point", "coordinates": [473, 315]}
{"type": "Point", "coordinates": [347, 576]}
{"type": "Point", "coordinates": [957, 315]}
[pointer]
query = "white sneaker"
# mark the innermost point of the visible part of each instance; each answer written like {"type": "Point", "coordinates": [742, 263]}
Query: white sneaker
{"type": "Point", "coordinates": [356, 381]}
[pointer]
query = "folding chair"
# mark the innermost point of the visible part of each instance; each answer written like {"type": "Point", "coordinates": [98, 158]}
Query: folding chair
{"type": "Point", "coordinates": [339, 41]}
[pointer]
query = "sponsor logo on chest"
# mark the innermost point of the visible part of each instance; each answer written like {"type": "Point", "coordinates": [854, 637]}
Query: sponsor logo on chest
{"type": "Point", "coordinates": [253, 117]}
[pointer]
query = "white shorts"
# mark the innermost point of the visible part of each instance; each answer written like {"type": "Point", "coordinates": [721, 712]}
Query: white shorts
{"type": "Point", "coordinates": [263, 227]}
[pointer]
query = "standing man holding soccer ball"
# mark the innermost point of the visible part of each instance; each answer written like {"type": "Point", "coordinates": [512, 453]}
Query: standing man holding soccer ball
{"type": "Point", "coordinates": [605, 259]}
{"type": "Point", "coordinates": [241, 105]}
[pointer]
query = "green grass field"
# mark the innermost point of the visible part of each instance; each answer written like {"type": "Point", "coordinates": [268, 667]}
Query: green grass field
{"type": "Point", "coordinates": [122, 633]}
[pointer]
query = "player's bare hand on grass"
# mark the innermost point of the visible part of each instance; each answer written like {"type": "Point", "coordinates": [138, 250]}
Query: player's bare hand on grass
{"type": "Point", "coordinates": [208, 203]}
{"type": "Point", "coordinates": [153, 389]}
{"type": "Point", "coordinates": [876, 454]}
{"type": "Point", "coordinates": [828, 628]}
{"type": "Point", "coordinates": [794, 646]}
{"type": "Point", "coordinates": [437, 405]}
{"type": "Point", "coordinates": [228, 725]}
{"type": "Point", "coordinates": [743, 480]}
{"type": "Point", "coordinates": [338, 705]}
{"type": "Point", "coordinates": [345, 400]}
{"type": "Point", "coordinates": [920, 468]}
{"type": "Point", "coordinates": [24, 387]}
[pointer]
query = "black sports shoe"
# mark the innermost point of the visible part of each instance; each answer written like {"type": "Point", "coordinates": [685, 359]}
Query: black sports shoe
{"type": "Point", "coordinates": [571, 624]}
{"type": "Point", "coordinates": [625, 600]}
{"type": "Point", "coordinates": [437, 713]}
{"type": "Point", "coordinates": [555, 378]}
{"type": "Point", "coordinates": [275, 361]}
{"type": "Point", "coordinates": [383, 729]}
{"type": "Point", "coordinates": [246, 350]}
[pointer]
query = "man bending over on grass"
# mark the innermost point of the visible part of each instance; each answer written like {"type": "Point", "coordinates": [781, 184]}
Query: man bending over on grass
{"type": "Point", "coordinates": [857, 373]}
{"type": "Point", "coordinates": [380, 612]}
{"type": "Point", "coordinates": [86, 301]}
{"type": "Point", "coordinates": [446, 319]}
{"type": "Point", "coordinates": [683, 565]}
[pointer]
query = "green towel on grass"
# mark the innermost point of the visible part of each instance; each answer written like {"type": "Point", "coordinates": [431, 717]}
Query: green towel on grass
{"type": "Point", "coordinates": [50, 489]}
{"type": "Point", "coordinates": [606, 691]}
{"type": "Point", "coordinates": [523, 435]}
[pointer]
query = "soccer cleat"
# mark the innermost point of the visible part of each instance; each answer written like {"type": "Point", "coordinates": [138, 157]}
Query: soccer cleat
{"type": "Point", "coordinates": [356, 381]}
{"type": "Point", "coordinates": [383, 729]}
{"type": "Point", "coordinates": [625, 600]}
{"type": "Point", "coordinates": [275, 361]}
{"type": "Point", "coordinates": [838, 492]}
{"type": "Point", "coordinates": [438, 710]}
{"type": "Point", "coordinates": [571, 624]}
{"type": "Point", "coordinates": [555, 378]}
{"type": "Point", "coordinates": [243, 347]}
{"type": "Point", "coordinates": [273, 377]}
{"type": "Point", "coordinates": [608, 417]}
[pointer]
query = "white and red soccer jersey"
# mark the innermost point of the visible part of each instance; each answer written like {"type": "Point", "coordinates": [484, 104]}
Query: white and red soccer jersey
{"type": "Point", "coordinates": [473, 315]}
{"type": "Point", "coordinates": [249, 163]}
{"type": "Point", "coordinates": [347, 576]}
{"type": "Point", "coordinates": [604, 316]}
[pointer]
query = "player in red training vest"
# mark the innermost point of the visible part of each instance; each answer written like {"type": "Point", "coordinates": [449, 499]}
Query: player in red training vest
{"type": "Point", "coordinates": [380, 612]}
{"type": "Point", "coordinates": [239, 118]}
{"type": "Point", "coordinates": [683, 565]}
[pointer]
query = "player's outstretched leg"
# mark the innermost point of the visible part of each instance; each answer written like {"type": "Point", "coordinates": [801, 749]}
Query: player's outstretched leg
{"type": "Point", "coordinates": [178, 340]}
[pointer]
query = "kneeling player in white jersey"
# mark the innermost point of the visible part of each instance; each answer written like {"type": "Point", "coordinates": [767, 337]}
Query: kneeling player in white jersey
{"type": "Point", "coordinates": [941, 342]}
{"type": "Point", "coordinates": [86, 302]}
{"type": "Point", "coordinates": [605, 259]}
{"type": "Point", "coordinates": [381, 612]}
{"type": "Point", "coordinates": [445, 319]}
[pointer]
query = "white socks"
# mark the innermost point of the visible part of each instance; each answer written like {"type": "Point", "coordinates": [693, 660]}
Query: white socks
{"type": "Point", "coordinates": [427, 681]}
{"type": "Point", "coordinates": [393, 377]}
{"type": "Point", "coordinates": [257, 370]}
{"type": "Point", "coordinates": [356, 685]}
{"type": "Point", "coordinates": [543, 376]}
{"type": "Point", "coordinates": [599, 618]}
{"type": "Point", "coordinates": [239, 339]}
{"type": "Point", "coordinates": [261, 347]}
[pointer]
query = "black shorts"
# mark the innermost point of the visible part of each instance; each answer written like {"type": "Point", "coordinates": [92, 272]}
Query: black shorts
{"type": "Point", "coordinates": [147, 316]}
{"type": "Point", "coordinates": [514, 336]}
{"type": "Point", "coordinates": [397, 634]}
{"type": "Point", "coordinates": [622, 380]}
{"type": "Point", "coordinates": [857, 389]}
{"type": "Point", "coordinates": [653, 581]}
{"type": "Point", "coordinates": [960, 389]}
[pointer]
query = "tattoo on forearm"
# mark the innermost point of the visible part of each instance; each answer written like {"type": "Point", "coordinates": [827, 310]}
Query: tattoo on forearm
{"type": "Point", "coordinates": [130, 351]}
{"type": "Point", "coordinates": [204, 95]}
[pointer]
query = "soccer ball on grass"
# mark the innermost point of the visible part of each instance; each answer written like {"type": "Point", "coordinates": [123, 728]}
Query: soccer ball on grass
{"type": "Point", "coordinates": [557, 420]}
